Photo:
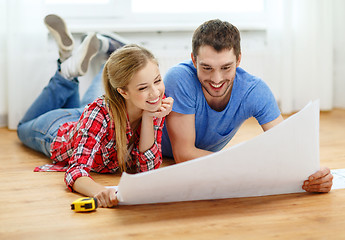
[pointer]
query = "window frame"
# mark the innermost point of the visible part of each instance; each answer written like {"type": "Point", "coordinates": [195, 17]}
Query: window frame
{"type": "Point", "coordinates": [117, 16]}
{"type": "Point", "coordinates": [88, 10]}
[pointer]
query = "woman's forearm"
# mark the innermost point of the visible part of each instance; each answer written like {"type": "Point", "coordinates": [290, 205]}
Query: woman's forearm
{"type": "Point", "coordinates": [87, 186]}
{"type": "Point", "coordinates": [147, 135]}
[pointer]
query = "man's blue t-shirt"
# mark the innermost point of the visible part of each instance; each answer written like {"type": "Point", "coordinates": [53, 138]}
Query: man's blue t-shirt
{"type": "Point", "coordinates": [250, 97]}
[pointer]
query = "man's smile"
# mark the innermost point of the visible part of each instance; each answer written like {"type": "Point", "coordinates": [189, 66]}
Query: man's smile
{"type": "Point", "coordinates": [216, 86]}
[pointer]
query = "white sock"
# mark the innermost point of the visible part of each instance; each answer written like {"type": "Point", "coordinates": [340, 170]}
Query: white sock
{"type": "Point", "coordinates": [77, 65]}
{"type": "Point", "coordinates": [104, 43]}
{"type": "Point", "coordinates": [66, 72]}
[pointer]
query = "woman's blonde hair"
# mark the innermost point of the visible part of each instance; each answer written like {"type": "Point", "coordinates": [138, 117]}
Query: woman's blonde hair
{"type": "Point", "coordinates": [117, 73]}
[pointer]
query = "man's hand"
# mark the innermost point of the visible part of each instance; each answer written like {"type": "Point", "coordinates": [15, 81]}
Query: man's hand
{"type": "Point", "coordinates": [321, 181]}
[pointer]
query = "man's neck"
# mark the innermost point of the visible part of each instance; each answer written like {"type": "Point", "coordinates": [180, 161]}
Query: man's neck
{"type": "Point", "coordinates": [217, 103]}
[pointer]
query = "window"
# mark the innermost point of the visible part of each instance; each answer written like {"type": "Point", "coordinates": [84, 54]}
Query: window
{"type": "Point", "coordinates": [197, 6]}
{"type": "Point", "coordinates": [86, 8]}
{"type": "Point", "coordinates": [190, 13]}
{"type": "Point", "coordinates": [157, 15]}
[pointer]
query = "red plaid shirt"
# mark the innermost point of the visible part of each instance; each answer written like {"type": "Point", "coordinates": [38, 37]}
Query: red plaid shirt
{"type": "Point", "coordinates": [89, 145]}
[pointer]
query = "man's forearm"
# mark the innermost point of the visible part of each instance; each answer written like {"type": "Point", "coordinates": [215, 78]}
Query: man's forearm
{"type": "Point", "coordinates": [184, 155]}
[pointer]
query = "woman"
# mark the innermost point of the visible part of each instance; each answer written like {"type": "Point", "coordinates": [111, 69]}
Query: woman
{"type": "Point", "coordinates": [119, 130]}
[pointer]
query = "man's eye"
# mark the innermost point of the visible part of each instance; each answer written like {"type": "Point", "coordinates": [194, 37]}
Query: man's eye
{"type": "Point", "coordinates": [207, 68]}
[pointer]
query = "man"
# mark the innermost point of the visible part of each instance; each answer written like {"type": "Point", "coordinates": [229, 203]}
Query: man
{"type": "Point", "coordinates": [213, 96]}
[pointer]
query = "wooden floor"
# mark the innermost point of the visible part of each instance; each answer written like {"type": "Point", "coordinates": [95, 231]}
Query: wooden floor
{"type": "Point", "coordinates": [37, 205]}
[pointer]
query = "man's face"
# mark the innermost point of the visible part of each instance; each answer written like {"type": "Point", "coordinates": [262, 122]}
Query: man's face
{"type": "Point", "coordinates": [216, 71]}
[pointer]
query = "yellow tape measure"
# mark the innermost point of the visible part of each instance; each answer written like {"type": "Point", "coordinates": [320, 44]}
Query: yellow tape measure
{"type": "Point", "coordinates": [85, 204]}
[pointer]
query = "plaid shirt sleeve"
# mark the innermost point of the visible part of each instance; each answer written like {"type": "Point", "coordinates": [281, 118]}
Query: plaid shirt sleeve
{"type": "Point", "coordinates": [91, 131]}
{"type": "Point", "coordinates": [152, 158]}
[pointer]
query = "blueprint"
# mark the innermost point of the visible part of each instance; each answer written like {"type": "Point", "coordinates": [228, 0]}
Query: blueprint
{"type": "Point", "coordinates": [275, 162]}
{"type": "Point", "coordinates": [338, 178]}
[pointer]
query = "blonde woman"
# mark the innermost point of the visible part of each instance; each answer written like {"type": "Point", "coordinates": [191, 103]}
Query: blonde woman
{"type": "Point", "coordinates": [119, 130]}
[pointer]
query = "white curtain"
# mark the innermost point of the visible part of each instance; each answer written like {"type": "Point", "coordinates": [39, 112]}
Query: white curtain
{"type": "Point", "coordinates": [3, 56]}
{"type": "Point", "coordinates": [25, 56]}
{"type": "Point", "coordinates": [339, 53]}
{"type": "Point", "coordinates": [29, 58]}
{"type": "Point", "coordinates": [300, 39]}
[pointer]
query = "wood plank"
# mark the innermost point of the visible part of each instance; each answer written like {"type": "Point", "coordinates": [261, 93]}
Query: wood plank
{"type": "Point", "coordinates": [37, 205]}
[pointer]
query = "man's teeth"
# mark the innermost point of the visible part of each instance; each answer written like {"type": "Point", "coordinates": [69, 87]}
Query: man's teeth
{"type": "Point", "coordinates": [154, 101]}
{"type": "Point", "coordinates": [216, 85]}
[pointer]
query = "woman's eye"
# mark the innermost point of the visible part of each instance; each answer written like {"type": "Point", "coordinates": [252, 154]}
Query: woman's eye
{"type": "Point", "coordinates": [142, 89]}
{"type": "Point", "coordinates": [158, 81]}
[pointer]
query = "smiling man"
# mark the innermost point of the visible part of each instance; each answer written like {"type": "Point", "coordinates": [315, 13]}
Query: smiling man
{"type": "Point", "coordinates": [213, 96]}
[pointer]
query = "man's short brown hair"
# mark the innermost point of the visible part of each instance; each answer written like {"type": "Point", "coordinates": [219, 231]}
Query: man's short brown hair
{"type": "Point", "coordinates": [217, 34]}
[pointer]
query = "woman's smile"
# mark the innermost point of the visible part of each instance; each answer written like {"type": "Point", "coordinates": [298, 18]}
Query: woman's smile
{"type": "Point", "coordinates": [154, 101]}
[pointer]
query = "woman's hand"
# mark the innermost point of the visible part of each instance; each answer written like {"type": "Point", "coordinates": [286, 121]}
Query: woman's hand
{"type": "Point", "coordinates": [147, 135]}
{"type": "Point", "coordinates": [165, 108]}
{"type": "Point", "coordinates": [107, 198]}
{"type": "Point", "coordinates": [321, 181]}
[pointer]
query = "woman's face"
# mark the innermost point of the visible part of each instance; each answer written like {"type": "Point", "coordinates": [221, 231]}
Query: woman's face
{"type": "Point", "coordinates": [146, 89]}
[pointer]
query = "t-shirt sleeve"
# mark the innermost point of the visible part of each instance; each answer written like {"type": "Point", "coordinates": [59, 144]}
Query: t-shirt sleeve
{"type": "Point", "coordinates": [180, 85]}
{"type": "Point", "coordinates": [264, 106]}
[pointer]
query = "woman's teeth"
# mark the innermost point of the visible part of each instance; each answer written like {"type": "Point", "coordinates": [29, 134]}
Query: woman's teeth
{"type": "Point", "coordinates": [154, 101]}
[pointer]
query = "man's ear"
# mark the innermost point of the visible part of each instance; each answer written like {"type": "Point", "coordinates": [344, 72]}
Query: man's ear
{"type": "Point", "coordinates": [123, 93]}
{"type": "Point", "coordinates": [193, 59]}
{"type": "Point", "coordinates": [239, 60]}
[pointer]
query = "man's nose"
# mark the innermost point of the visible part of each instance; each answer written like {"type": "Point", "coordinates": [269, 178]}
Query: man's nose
{"type": "Point", "coordinates": [217, 77]}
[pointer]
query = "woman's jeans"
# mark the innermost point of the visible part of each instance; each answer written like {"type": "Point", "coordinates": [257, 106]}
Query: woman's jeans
{"type": "Point", "coordinates": [58, 103]}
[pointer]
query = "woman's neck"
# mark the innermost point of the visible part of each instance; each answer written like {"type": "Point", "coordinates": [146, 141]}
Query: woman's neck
{"type": "Point", "coordinates": [134, 114]}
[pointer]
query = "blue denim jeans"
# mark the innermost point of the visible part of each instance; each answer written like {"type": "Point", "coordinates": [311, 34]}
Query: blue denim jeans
{"type": "Point", "coordinates": [58, 103]}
